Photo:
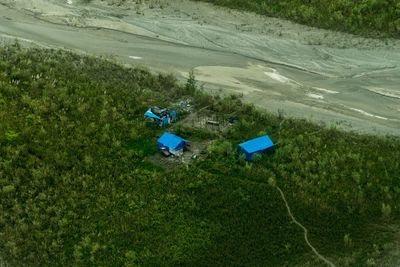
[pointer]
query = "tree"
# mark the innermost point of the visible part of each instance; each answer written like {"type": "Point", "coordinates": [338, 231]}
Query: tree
{"type": "Point", "coordinates": [191, 83]}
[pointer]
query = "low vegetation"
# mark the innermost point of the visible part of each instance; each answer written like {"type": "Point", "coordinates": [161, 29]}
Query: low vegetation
{"type": "Point", "coordinates": [369, 18]}
{"type": "Point", "coordinates": [77, 188]}
{"type": "Point", "coordinates": [376, 18]}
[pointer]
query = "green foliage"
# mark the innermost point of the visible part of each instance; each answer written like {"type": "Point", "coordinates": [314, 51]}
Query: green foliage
{"type": "Point", "coordinates": [11, 136]}
{"type": "Point", "coordinates": [8, 189]}
{"type": "Point", "coordinates": [367, 17]}
{"type": "Point", "coordinates": [191, 83]}
{"type": "Point", "coordinates": [371, 262]}
{"type": "Point", "coordinates": [221, 148]}
{"type": "Point", "coordinates": [347, 240]}
{"type": "Point", "coordinates": [272, 181]}
{"type": "Point", "coordinates": [77, 188]}
{"type": "Point", "coordinates": [386, 210]}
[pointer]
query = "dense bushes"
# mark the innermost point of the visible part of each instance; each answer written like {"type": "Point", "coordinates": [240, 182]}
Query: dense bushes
{"type": "Point", "coordinates": [366, 17]}
{"type": "Point", "coordinates": [76, 187]}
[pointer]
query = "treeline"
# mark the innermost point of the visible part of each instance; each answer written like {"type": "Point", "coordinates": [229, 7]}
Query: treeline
{"type": "Point", "coordinates": [371, 18]}
{"type": "Point", "coordinates": [77, 188]}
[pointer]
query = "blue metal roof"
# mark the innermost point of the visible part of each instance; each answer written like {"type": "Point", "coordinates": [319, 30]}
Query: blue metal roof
{"type": "Point", "coordinates": [257, 144]}
{"type": "Point", "coordinates": [171, 141]}
{"type": "Point", "coordinates": [151, 115]}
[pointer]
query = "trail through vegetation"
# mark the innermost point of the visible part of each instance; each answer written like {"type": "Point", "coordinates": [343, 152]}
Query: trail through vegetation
{"type": "Point", "coordinates": [322, 258]}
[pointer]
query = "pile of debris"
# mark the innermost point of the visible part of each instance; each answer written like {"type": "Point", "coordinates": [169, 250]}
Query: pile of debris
{"type": "Point", "coordinates": [185, 106]}
{"type": "Point", "coordinates": [161, 116]}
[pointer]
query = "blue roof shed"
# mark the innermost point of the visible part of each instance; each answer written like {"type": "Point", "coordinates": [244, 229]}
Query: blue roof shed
{"type": "Point", "coordinates": [256, 146]}
{"type": "Point", "coordinates": [171, 142]}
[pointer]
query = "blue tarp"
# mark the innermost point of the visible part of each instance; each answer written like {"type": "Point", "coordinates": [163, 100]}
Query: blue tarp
{"type": "Point", "coordinates": [171, 141]}
{"type": "Point", "coordinates": [173, 114]}
{"type": "Point", "coordinates": [165, 121]}
{"type": "Point", "coordinates": [151, 115]}
{"type": "Point", "coordinates": [255, 146]}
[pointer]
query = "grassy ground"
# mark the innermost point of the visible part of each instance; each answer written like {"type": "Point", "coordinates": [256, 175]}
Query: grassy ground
{"type": "Point", "coordinates": [367, 18]}
{"type": "Point", "coordinates": [76, 187]}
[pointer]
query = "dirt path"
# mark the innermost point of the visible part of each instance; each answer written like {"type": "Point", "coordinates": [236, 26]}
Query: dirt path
{"type": "Point", "coordinates": [314, 250]}
{"type": "Point", "coordinates": [342, 80]}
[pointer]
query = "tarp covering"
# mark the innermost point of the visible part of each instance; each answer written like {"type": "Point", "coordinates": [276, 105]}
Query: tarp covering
{"type": "Point", "coordinates": [166, 121]}
{"type": "Point", "coordinates": [171, 141]}
{"type": "Point", "coordinates": [173, 114]}
{"type": "Point", "coordinates": [257, 145]}
{"type": "Point", "coordinates": [151, 115]}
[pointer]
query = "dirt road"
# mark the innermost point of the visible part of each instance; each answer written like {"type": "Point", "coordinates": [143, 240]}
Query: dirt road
{"type": "Point", "coordinates": [342, 80]}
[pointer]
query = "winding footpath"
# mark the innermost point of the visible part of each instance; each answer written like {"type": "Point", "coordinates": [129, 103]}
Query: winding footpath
{"type": "Point", "coordinates": [322, 258]}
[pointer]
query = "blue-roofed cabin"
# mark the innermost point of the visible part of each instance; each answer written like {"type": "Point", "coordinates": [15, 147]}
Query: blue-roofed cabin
{"type": "Point", "coordinates": [172, 143]}
{"type": "Point", "coordinates": [256, 146]}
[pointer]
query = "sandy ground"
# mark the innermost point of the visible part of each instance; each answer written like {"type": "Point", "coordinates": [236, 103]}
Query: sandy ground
{"type": "Point", "coordinates": [342, 80]}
